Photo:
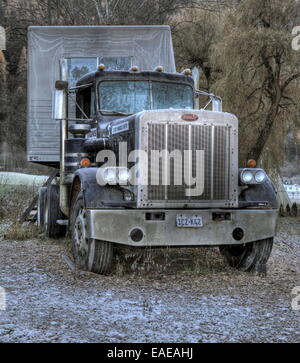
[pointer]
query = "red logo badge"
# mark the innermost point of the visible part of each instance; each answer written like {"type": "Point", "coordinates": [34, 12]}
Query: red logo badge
{"type": "Point", "coordinates": [189, 117]}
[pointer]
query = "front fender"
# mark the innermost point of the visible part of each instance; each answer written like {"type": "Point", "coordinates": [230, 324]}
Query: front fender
{"type": "Point", "coordinates": [95, 196]}
{"type": "Point", "coordinates": [265, 192]}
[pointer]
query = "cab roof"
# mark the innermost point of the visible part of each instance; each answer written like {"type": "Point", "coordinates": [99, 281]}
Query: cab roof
{"type": "Point", "coordinates": [135, 76]}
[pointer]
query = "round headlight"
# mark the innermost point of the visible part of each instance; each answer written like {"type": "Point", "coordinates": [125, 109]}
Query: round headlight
{"type": "Point", "coordinates": [260, 176]}
{"type": "Point", "coordinates": [247, 177]}
{"type": "Point", "coordinates": [123, 176]}
{"type": "Point", "coordinates": [110, 176]}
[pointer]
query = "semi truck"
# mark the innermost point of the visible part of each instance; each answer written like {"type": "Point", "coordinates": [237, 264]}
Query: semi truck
{"type": "Point", "coordinates": [138, 162]}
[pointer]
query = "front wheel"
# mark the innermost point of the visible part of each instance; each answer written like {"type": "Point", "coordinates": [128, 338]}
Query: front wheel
{"type": "Point", "coordinates": [248, 257]}
{"type": "Point", "coordinates": [89, 254]}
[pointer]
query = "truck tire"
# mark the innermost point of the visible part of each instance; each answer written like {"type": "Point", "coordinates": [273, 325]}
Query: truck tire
{"type": "Point", "coordinates": [41, 206]}
{"type": "Point", "coordinates": [249, 257]}
{"type": "Point", "coordinates": [89, 254]}
{"type": "Point", "coordinates": [53, 213]}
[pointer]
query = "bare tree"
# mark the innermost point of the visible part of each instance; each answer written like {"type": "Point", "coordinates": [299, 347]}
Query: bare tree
{"type": "Point", "coordinates": [257, 72]}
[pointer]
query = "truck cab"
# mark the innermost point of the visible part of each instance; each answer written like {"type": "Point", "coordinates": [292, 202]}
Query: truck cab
{"type": "Point", "coordinates": [108, 95]}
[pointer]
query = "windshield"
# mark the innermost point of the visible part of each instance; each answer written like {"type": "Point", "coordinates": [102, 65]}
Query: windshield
{"type": "Point", "coordinates": [129, 97]}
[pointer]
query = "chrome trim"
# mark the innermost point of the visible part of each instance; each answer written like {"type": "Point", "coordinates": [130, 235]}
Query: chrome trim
{"type": "Point", "coordinates": [72, 164]}
{"type": "Point", "coordinates": [77, 164]}
{"type": "Point", "coordinates": [167, 176]}
{"type": "Point", "coordinates": [190, 156]}
{"type": "Point", "coordinates": [63, 189]}
{"type": "Point", "coordinates": [75, 155]}
{"type": "Point", "coordinates": [212, 164]}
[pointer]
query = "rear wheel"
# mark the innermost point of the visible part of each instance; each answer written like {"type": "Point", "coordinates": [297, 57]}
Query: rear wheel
{"type": "Point", "coordinates": [53, 213]}
{"type": "Point", "coordinates": [89, 254]}
{"type": "Point", "coordinates": [248, 257]}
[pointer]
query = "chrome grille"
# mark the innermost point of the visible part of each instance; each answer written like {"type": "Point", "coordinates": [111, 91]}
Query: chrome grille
{"type": "Point", "coordinates": [214, 140]}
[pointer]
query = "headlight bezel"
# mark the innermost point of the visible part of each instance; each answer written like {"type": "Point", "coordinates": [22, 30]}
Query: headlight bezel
{"type": "Point", "coordinates": [115, 173]}
{"type": "Point", "coordinates": [253, 172]}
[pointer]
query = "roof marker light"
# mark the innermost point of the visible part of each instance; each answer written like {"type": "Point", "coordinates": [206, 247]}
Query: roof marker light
{"type": "Point", "coordinates": [159, 69]}
{"type": "Point", "coordinates": [187, 72]}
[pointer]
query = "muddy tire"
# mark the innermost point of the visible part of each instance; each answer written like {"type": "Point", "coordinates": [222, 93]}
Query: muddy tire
{"type": "Point", "coordinates": [53, 213]}
{"type": "Point", "coordinates": [250, 257]}
{"type": "Point", "coordinates": [41, 206]}
{"type": "Point", "coordinates": [281, 211]}
{"type": "Point", "coordinates": [89, 254]}
{"type": "Point", "coordinates": [294, 210]}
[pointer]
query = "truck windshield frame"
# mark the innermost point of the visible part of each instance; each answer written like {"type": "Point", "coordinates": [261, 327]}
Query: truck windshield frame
{"type": "Point", "coordinates": [129, 97]}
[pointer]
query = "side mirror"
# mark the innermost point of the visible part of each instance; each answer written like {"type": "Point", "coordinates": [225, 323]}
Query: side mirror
{"type": "Point", "coordinates": [59, 105]}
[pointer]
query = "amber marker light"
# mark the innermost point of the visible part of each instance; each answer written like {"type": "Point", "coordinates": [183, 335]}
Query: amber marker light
{"type": "Point", "coordinates": [85, 163]}
{"type": "Point", "coordinates": [187, 72]}
{"type": "Point", "coordinates": [134, 69]}
{"type": "Point", "coordinates": [101, 67]}
{"type": "Point", "coordinates": [251, 163]}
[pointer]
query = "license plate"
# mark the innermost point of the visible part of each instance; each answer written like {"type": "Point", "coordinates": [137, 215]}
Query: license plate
{"type": "Point", "coordinates": [183, 220]}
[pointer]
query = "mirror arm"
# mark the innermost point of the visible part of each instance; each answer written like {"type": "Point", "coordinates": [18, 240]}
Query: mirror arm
{"type": "Point", "coordinates": [216, 100]}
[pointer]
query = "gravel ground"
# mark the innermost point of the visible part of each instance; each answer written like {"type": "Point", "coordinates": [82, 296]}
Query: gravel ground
{"type": "Point", "coordinates": [186, 295]}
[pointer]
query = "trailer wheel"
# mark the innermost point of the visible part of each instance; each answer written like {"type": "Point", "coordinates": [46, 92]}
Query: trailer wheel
{"type": "Point", "coordinates": [89, 254]}
{"type": "Point", "coordinates": [41, 206]}
{"type": "Point", "coordinates": [53, 213]}
{"type": "Point", "coordinates": [249, 257]}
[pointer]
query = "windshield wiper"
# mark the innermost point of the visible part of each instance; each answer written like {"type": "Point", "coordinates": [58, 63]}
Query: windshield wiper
{"type": "Point", "coordinates": [107, 112]}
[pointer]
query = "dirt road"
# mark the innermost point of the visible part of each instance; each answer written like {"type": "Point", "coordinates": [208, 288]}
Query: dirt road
{"type": "Point", "coordinates": [170, 296]}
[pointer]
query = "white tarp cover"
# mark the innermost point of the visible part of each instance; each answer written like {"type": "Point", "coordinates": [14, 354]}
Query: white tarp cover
{"type": "Point", "coordinates": [119, 46]}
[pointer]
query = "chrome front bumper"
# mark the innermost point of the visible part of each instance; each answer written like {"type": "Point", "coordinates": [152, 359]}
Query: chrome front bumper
{"type": "Point", "coordinates": [116, 225]}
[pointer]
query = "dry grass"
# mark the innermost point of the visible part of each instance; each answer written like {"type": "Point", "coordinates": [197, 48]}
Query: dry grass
{"type": "Point", "coordinates": [18, 232]}
{"type": "Point", "coordinates": [164, 261]}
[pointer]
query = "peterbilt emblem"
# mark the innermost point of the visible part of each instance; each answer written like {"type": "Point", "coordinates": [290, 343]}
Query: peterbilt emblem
{"type": "Point", "coordinates": [189, 117]}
